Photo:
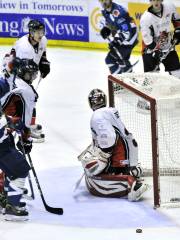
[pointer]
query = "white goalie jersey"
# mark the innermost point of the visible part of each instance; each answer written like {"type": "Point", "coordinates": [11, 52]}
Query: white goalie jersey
{"type": "Point", "coordinates": [24, 49]}
{"type": "Point", "coordinates": [152, 25]}
{"type": "Point", "coordinates": [103, 124]}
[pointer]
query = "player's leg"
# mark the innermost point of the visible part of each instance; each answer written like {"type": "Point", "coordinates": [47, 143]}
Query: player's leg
{"type": "Point", "coordinates": [172, 64]}
{"type": "Point", "coordinates": [16, 169]}
{"type": "Point", "coordinates": [114, 63]}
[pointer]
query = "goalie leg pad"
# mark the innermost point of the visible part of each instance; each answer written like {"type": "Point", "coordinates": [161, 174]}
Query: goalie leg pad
{"type": "Point", "coordinates": [137, 191]}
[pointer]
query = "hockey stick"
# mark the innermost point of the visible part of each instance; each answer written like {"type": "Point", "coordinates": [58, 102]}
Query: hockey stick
{"type": "Point", "coordinates": [40, 79]}
{"type": "Point", "coordinates": [31, 187]}
{"type": "Point", "coordinates": [58, 211]}
{"type": "Point", "coordinates": [120, 56]}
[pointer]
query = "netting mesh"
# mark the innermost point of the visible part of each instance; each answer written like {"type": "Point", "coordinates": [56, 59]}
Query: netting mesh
{"type": "Point", "coordinates": [135, 113]}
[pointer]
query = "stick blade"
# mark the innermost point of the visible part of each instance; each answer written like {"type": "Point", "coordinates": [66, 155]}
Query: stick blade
{"type": "Point", "coordinates": [58, 211]}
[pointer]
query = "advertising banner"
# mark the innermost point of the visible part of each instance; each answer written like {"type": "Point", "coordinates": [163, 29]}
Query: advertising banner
{"type": "Point", "coordinates": [67, 20]}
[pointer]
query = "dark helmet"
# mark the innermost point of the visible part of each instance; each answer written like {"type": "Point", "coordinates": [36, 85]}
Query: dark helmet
{"type": "Point", "coordinates": [97, 99]}
{"type": "Point", "coordinates": [35, 25]}
{"type": "Point", "coordinates": [26, 69]}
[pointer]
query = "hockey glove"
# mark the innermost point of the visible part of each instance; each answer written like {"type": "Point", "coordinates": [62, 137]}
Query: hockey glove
{"type": "Point", "coordinates": [136, 171]}
{"type": "Point", "coordinates": [176, 37]}
{"type": "Point", "coordinates": [157, 55]}
{"type": "Point", "coordinates": [105, 32]}
{"type": "Point", "coordinates": [26, 147]}
{"type": "Point", "coordinates": [44, 67]}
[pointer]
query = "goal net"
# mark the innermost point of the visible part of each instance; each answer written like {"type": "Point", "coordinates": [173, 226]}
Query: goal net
{"type": "Point", "coordinates": [149, 105]}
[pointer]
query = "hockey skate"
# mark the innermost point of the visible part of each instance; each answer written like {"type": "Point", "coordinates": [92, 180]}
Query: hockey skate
{"type": "Point", "coordinates": [3, 202]}
{"type": "Point", "coordinates": [15, 213]}
{"type": "Point", "coordinates": [25, 194]}
{"type": "Point", "coordinates": [137, 190]}
{"type": "Point", "coordinates": [36, 133]}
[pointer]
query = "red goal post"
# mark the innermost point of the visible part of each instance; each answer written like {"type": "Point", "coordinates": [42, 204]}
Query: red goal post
{"type": "Point", "coordinates": [152, 128]}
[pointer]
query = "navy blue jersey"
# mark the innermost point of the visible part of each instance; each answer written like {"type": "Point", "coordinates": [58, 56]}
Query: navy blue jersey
{"type": "Point", "coordinates": [118, 20]}
{"type": "Point", "coordinates": [4, 87]}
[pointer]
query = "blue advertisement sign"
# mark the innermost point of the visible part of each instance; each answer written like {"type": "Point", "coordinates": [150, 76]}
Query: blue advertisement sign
{"type": "Point", "coordinates": [69, 28]}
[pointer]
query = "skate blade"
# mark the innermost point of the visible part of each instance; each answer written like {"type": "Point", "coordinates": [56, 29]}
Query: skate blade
{"type": "Point", "coordinates": [12, 218]}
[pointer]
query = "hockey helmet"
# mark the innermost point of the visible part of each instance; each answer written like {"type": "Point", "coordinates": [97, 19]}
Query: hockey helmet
{"type": "Point", "coordinates": [35, 25]}
{"type": "Point", "coordinates": [106, 3]}
{"type": "Point", "coordinates": [97, 99]}
{"type": "Point", "coordinates": [26, 69]}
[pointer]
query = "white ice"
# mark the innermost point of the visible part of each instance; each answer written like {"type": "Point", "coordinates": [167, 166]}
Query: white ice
{"type": "Point", "coordinates": [63, 111]}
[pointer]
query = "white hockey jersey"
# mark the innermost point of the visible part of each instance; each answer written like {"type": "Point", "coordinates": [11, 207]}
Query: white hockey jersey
{"type": "Point", "coordinates": [152, 25]}
{"type": "Point", "coordinates": [24, 49]}
{"type": "Point", "coordinates": [103, 123]}
{"type": "Point", "coordinates": [28, 97]}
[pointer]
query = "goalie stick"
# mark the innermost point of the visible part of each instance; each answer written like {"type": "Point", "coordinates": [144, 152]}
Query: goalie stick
{"type": "Point", "coordinates": [48, 208]}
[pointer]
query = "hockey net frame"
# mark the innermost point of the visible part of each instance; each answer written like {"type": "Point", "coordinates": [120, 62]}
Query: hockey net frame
{"type": "Point", "coordinates": [155, 171]}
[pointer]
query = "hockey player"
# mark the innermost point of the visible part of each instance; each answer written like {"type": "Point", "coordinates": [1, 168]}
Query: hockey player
{"type": "Point", "coordinates": [17, 105]}
{"type": "Point", "coordinates": [122, 34]}
{"type": "Point", "coordinates": [158, 41]}
{"type": "Point", "coordinates": [111, 161]}
{"type": "Point", "coordinates": [33, 46]}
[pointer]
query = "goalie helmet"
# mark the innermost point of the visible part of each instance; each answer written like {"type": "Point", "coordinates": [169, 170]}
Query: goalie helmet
{"type": "Point", "coordinates": [35, 25]}
{"type": "Point", "coordinates": [97, 99]}
{"type": "Point", "coordinates": [26, 69]}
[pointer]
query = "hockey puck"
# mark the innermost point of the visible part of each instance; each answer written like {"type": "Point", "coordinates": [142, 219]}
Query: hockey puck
{"type": "Point", "coordinates": [139, 230]}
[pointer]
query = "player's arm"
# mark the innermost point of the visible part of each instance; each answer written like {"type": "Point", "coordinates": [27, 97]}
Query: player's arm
{"type": "Point", "coordinates": [147, 32]}
{"type": "Point", "coordinates": [14, 108]}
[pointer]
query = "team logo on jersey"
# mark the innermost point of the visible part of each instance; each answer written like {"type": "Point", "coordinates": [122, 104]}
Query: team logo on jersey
{"type": "Point", "coordinates": [116, 13]}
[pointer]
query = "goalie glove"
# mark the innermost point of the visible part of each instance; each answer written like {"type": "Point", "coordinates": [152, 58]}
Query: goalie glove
{"type": "Point", "coordinates": [94, 160]}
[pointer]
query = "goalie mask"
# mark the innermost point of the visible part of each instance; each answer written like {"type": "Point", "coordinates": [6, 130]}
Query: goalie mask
{"type": "Point", "coordinates": [26, 69]}
{"type": "Point", "coordinates": [97, 99]}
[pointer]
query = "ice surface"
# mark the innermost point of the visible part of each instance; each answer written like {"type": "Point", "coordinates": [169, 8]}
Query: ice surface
{"type": "Point", "coordinates": [63, 111]}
